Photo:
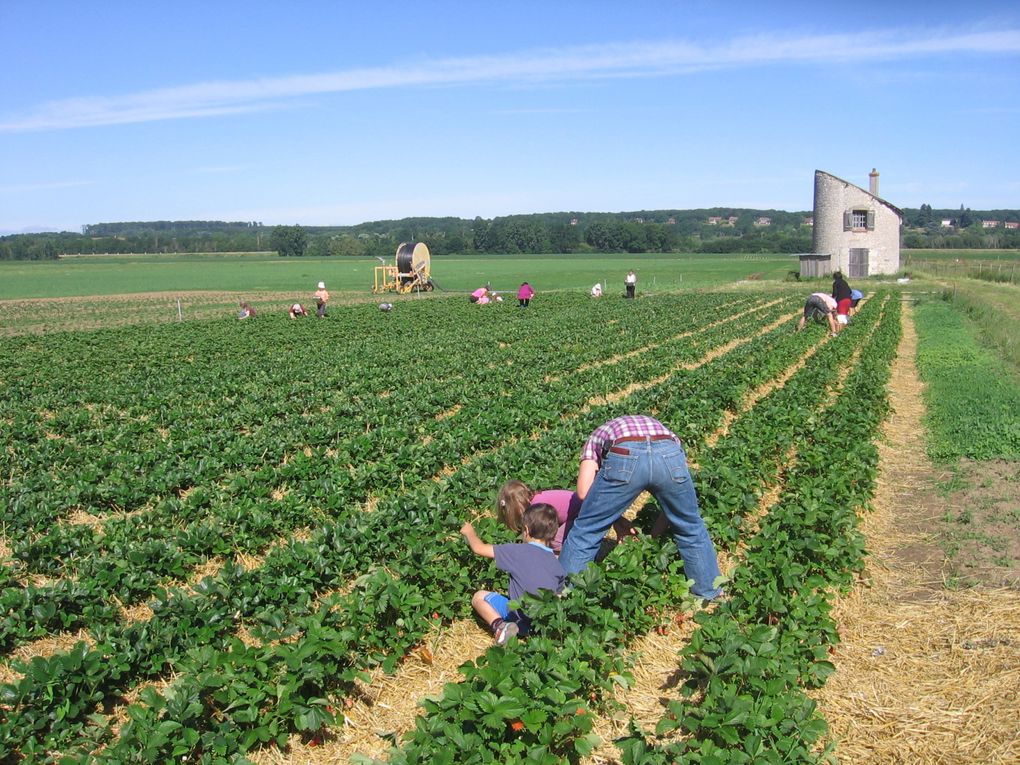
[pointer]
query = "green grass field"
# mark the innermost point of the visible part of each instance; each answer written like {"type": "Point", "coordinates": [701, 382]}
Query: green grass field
{"type": "Point", "coordinates": [256, 273]}
{"type": "Point", "coordinates": [1006, 256]}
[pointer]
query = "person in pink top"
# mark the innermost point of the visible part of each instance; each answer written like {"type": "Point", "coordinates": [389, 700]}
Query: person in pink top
{"type": "Point", "coordinates": [516, 496]}
{"type": "Point", "coordinates": [524, 295]}
{"type": "Point", "coordinates": [819, 305]}
{"type": "Point", "coordinates": [480, 296]}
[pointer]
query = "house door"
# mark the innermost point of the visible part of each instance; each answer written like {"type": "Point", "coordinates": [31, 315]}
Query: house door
{"type": "Point", "coordinates": [858, 263]}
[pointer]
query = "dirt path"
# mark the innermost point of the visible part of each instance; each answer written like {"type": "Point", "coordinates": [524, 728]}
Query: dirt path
{"type": "Point", "coordinates": [924, 674]}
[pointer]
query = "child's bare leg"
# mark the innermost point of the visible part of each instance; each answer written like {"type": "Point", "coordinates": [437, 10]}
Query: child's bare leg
{"type": "Point", "coordinates": [486, 613]}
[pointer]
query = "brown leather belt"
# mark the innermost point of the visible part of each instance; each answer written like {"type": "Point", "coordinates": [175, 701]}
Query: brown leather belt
{"type": "Point", "coordinates": [628, 439]}
{"type": "Point", "coordinates": [660, 437]}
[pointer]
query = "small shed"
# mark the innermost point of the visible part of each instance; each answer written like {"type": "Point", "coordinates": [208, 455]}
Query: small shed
{"type": "Point", "coordinates": [813, 264]}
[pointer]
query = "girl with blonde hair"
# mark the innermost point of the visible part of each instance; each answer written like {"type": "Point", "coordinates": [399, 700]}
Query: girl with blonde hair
{"type": "Point", "coordinates": [516, 496]}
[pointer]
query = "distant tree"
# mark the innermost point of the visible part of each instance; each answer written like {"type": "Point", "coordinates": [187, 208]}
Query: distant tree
{"type": "Point", "coordinates": [289, 241]}
{"type": "Point", "coordinates": [632, 237]}
{"type": "Point", "coordinates": [480, 234]}
{"type": "Point", "coordinates": [563, 237]}
{"type": "Point", "coordinates": [604, 237]}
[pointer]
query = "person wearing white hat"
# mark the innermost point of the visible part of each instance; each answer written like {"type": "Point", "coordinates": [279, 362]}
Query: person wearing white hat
{"type": "Point", "coordinates": [321, 298]}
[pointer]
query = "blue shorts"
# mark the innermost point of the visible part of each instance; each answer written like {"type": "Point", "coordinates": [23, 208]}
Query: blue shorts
{"type": "Point", "coordinates": [502, 605]}
{"type": "Point", "coordinates": [500, 602]}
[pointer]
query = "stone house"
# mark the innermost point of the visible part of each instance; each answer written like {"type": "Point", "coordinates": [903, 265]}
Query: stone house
{"type": "Point", "coordinates": [856, 231]}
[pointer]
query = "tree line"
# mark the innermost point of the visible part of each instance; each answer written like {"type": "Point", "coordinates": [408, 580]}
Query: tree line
{"type": "Point", "coordinates": [710, 230]}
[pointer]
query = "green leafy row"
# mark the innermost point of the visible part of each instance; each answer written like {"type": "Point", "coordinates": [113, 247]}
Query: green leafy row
{"type": "Point", "coordinates": [749, 663]}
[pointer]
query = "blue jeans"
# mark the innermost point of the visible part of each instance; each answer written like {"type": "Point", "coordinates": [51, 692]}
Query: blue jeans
{"type": "Point", "coordinates": [659, 467]}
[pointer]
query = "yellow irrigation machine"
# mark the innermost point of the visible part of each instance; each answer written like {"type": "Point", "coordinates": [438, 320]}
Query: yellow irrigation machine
{"type": "Point", "coordinates": [411, 273]}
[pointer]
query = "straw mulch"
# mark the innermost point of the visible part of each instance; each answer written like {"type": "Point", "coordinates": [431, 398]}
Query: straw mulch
{"type": "Point", "coordinates": [46, 647]}
{"type": "Point", "coordinates": [656, 682]}
{"type": "Point", "coordinates": [924, 674]}
{"type": "Point", "coordinates": [385, 708]}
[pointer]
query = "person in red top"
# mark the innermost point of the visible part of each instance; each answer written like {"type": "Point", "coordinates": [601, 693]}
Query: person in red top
{"type": "Point", "coordinates": [843, 296]}
{"type": "Point", "coordinates": [622, 458]}
{"type": "Point", "coordinates": [515, 497]}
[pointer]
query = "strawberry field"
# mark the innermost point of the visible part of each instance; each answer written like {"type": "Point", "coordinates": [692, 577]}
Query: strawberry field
{"type": "Point", "coordinates": [239, 522]}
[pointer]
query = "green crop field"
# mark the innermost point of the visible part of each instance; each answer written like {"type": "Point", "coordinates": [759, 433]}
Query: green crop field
{"type": "Point", "coordinates": [227, 532]}
{"type": "Point", "coordinates": [223, 539]}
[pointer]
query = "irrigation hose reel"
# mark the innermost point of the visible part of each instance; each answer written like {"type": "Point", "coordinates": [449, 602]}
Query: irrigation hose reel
{"type": "Point", "coordinates": [412, 272]}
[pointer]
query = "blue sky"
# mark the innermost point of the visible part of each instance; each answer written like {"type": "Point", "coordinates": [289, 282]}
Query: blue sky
{"type": "Point", "coordinates": [330, 113]}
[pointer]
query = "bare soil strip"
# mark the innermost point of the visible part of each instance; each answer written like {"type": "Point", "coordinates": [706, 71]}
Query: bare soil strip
{"type": "Point", "coordinates": [923, 674]}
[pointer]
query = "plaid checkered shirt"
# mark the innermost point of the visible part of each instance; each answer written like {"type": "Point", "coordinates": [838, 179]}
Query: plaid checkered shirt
{"type": "Point", "coordinates": [627, 426]}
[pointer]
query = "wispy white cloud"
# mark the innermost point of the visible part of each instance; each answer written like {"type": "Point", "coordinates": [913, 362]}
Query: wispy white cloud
{"type": "Point", "coordinates": [220, 169]}
{"type": "Point", "coordinates": [636, 59]}
{"type": "Point", "coordinates": [515, 112]}
{"type": "Point", "coordinates": [50, 186]}
{"type": "Point", "coordinates": [993, 110]}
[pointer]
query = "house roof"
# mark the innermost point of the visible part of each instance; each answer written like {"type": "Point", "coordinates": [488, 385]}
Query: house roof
{"type": "Point", "coordinates": [878, 199]}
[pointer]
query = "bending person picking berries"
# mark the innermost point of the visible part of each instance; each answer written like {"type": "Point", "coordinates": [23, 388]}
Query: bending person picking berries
{"type": "Point", "coordinates": [621, 459]}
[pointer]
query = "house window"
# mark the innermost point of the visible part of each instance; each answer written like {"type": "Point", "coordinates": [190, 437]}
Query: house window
{"type": "Point", "coordinates": [859, 220]}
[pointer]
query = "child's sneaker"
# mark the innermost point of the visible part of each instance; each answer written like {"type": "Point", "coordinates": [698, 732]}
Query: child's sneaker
{"type": "Point", "coordinates": [506, 631]}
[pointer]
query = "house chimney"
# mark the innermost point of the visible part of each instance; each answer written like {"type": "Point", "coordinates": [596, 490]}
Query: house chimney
{"type": "Point", "coordinates": [873, 182]}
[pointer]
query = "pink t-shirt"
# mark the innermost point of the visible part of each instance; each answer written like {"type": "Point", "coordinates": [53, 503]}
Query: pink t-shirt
{"type": "Point", "coordinates": [567, 506]}
{"type": "Point", "coordinates": [480, 292]}
{"type": "Point", "coordinates": [825, 298]}
{"type": "Point", "coordinates": [525, 292]}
